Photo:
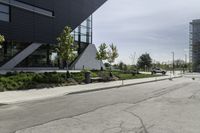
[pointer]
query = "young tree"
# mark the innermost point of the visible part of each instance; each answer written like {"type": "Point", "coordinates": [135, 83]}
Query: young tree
{"type": "Point", "coordinates": [107, 65]}
{"type": "Point", "coordinates": [66, 48]}
{"type": "Point", "coordinates": [121, 65]}
{"type": "Point", "coordinates": [144, 61]}
{"type": "Point", "coordinates": [179, 64]}
{"type": "Point", "coordinates": [112, 55]}
{"type": "Point", "coordinates": [2, 39]}
{"type": "Point", "coordinates": [125, 68]}
{"type": "Point", "coordinates": [101, 54]}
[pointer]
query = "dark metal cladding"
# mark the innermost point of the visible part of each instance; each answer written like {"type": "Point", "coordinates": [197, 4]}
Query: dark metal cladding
{"type": "Point", "coordinates": [26, 26]}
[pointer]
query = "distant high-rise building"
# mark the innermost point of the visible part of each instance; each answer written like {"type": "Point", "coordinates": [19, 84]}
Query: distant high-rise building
{"type": "Point", "coordinates": [195, 45]}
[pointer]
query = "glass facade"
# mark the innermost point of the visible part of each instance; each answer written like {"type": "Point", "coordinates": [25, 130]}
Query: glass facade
{"type": "Point", "coordinates": [29, 7]}
{"type": "Point", "coordinates": [10, 49]}
{"type": "Point", "coordinates": [195, 45]}
{"type": "Point", "coordinates": [83, 34]}
{"type": "Point", "coordinates": [4, 13]}
{"type": "Point", "coordinates": [45, 56]}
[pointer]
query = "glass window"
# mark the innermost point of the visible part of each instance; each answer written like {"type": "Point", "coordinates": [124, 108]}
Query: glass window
{"type": "Point", "coordinates": [83, 39]}
{"type": "Point", "coordinates": [4, 17]}
{"type": "Point", "coordinates": [28, 7]}
{"type": "Point", "coordinates": [4, 8]}
{"type": "Point", "coordinates": [76, 37]}
{"type": "Point", "coordinates": [90, 39]}
{"type": "Point", "coordinates": [84, 23]}
{"type": "Point", "coordinates": [76, 30]}
{"type": "Point", "coordinates": [4, 13]}
{"type": "Point", "coordinates": [83, 32]}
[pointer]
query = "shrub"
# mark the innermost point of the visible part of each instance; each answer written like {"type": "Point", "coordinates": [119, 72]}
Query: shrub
{"type": "Point", "coordinates": [49, 78]}
{"type": "Point", "coordinates": [16, 82]}
{"type": "Point", "coordinates": [39, 78]}
{"type": "Point", "coordinates": [94, 74]}
{"type": "Point", "coordinates": [1, 87]}
{"type": "Point", "coordinates": [105, 75]}
{"type": "Point", "coordinates": [78, 77]}
{"type": "Point", "coordinates": [55, 78]}
{"type": "Point", "coordinates": [22, 81]}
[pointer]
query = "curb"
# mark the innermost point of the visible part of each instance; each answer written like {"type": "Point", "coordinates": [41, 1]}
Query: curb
{"type": "Point", "coordinates": [86, 91]}
{"type": "Point", "coordinates": [118, 86]}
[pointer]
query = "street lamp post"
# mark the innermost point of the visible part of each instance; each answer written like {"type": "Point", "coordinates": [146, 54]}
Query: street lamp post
{"type": "Point", "coordinates": [186, 57]}
{"type": "Point", "coordinates": [186, 62]}
{"type": "Point", "coordinates": [185, 66]}
{"type": "Point", "coordinates": [173, 63]}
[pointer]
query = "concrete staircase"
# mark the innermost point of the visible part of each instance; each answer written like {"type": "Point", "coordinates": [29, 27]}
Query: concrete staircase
{"type": "Point", "coordinates": [12, 63]}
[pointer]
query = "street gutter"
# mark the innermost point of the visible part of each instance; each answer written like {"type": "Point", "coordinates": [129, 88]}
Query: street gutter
{"type": "Point", "coordinates": [119, 86]}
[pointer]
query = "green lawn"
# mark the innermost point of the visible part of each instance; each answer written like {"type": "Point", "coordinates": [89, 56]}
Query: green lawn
{"type": "Point", "coordinates": [125, 76]}
{"type": "Point", "coordinates": [138, 76]}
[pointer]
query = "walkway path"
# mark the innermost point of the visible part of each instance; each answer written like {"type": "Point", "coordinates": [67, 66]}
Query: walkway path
{"type": "Point", "coordinates": [11, 97]}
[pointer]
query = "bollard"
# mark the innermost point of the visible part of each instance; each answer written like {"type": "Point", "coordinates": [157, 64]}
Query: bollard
{"type": "Point", "coordinates": [122, 82]}
{"type": "Point", "coordinates": [87, 77]}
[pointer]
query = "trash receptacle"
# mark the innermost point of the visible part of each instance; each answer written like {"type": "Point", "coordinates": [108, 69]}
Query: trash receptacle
{"type": "Point", "coordinates": [87, 77]}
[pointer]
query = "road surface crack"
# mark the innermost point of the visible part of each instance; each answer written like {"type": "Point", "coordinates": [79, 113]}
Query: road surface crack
{"type": "Point", "coordinates": [193, 96]}
{"type": "Point", "coordinates": [155, 95]}
{"type": "Point", "coordinates": [140, 119]}
{"type": "Point", "coordinates": [120, 128]}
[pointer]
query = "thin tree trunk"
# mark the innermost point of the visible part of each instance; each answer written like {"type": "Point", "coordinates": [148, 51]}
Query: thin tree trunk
{"type": "Point", "coordinates": [100, 64]}
{"type": "Point", "coordinates": [111, 70]}
{"type": "Point", "coordinates": [67, 72]}
{"type": "Point", "coordinates": [61, 63]}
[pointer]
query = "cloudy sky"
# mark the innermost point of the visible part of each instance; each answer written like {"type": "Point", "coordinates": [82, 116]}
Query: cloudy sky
{"type": "Point", "coordinates": [138, 26]}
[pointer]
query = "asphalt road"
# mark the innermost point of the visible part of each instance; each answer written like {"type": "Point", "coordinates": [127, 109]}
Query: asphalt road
{"type": "Point", "coordinates": [164, 106]}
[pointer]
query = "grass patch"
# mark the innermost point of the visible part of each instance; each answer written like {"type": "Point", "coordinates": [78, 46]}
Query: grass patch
{"type": "Point", "coordinates": [125, 75]}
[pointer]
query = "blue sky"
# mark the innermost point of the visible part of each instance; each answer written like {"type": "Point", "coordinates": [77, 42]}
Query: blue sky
{"type": "Point", "coordinates": [157, 27]}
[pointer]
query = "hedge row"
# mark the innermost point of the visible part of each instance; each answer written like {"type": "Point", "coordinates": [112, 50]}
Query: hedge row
{"type": "Point", "coordinates": [24, 81]}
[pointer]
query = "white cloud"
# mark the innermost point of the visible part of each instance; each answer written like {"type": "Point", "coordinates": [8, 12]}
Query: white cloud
{"type": "Point", "coordinates": [154, 26]}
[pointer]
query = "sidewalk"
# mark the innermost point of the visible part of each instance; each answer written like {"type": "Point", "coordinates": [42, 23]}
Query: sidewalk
{"type": "Point", "coordinates": [11, 97]}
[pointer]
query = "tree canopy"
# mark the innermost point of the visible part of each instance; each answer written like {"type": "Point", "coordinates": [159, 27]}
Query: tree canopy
{"type": "Point", "coordinates": [66, 48]}
{"type": "Point", "coordinates": [102, 52]}
{"type": "Point", "coordinates": [2, 39]}
{"type": "Point", "coordinates": [144, 61]}
{"type": "Point", "coordinates": [112, 53]}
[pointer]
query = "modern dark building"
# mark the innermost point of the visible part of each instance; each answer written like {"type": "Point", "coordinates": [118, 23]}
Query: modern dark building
{"type": "Point", "coordinates": [195, 45]}
{"type": "Point", "coordinates": [31, 27]}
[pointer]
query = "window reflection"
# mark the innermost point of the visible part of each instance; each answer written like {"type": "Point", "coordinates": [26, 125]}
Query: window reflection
{"type": "Point", "coordinates": [83, 33]}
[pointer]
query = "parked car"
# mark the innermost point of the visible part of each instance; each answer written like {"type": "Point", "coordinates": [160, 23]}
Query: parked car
{"type": "Point", "coordinates": [158, 70]}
